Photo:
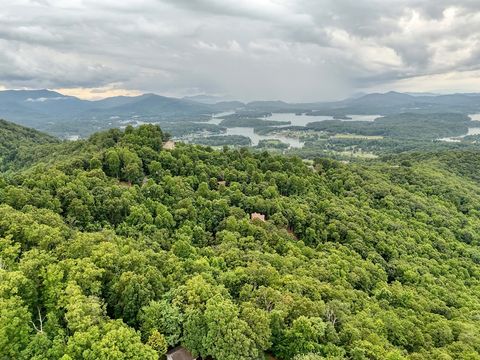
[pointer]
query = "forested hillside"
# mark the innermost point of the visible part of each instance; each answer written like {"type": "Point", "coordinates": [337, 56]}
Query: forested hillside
{"type": "Point", "coordinates": [113, 248]}
{"type": "Point", "coordinates": [14, 138]}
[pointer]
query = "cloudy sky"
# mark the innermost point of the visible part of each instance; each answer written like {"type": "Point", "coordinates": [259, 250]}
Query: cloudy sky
{"type": "Point", "coordinates": [296, 50]}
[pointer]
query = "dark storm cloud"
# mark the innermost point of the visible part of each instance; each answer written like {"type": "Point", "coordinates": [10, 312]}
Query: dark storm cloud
{"type": "Point", "coordinates": [290, 49]}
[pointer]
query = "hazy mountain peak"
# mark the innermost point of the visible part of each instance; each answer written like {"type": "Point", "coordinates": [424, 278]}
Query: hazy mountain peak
{"type": "Point", "coordinates": [24, 95]}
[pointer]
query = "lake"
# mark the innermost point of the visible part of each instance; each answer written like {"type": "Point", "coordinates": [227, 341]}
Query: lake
{"type": "Point", "coordinates": [471, 131]}
{"type": "Point", "coordinates": [363, 117]}
{"type": "Point", "coordinates": [295, 120]}
{"type": "Point", "coordinates": [255, 138]}
{"type": "Point", "coordinates": [303, 120]}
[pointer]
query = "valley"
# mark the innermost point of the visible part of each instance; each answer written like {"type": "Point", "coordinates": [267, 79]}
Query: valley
{"type": "Point", "coordinates": [120, 237]}
{"type": "Point", "coordinates": [240, 180]}
{"type": "Point", "coordinates": [374, 124]}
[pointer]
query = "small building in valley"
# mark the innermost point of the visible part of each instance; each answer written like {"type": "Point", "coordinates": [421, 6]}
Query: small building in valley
{"type": "Point", "coordinates": [257, 216]}
{"type": "Point", "coordinates": [179, 353]}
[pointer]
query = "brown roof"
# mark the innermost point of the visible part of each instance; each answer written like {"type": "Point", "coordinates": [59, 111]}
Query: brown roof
{"type": "Point", "coordinates": [179, 353]}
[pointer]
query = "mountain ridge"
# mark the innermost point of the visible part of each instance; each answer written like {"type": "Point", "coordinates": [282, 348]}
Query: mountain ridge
{"type": "Point", "coordinates": [62, 115]}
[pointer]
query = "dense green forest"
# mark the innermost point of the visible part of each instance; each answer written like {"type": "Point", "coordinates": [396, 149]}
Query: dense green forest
{"type": "Point", "coordinates": [392, 134]}
{"type": "Point", "coordinates": [112, 248]}
{"type": "Point", "coordinates": [406, 125]}
{"type": "Point", "coordinates": [221, 140]}
{"type": "Point", "coordinates": [14, 138]}
{"type": "Point", "coordinates": [272, 144]}
{"type": "Point", "coordinates": [251, 122]}
{"type": "Point", "coordinates": [343, 148]}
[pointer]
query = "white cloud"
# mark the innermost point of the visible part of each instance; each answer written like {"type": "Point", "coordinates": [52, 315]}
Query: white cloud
{"type": "Point", "coordinates": [450, 82]}
{"type": "Point", "coordinates": [229, 46]}
{"type": "Point", "coordinates": [290, 49]}
{"type": "Point", "coordinates": [44, 99]}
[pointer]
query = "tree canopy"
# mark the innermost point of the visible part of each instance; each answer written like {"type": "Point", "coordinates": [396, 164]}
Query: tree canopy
{"type": "Point", "coordinates": [112, 248]}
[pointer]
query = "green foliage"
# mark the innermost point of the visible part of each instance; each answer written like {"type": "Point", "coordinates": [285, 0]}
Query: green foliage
{"type": "Point", "coordinates": [15, 138]}
{"type": "Point", "coordinates": [272, 144]}
{"type": "Point", "coordinates": [309, 356]}
{"type": "Point", "coordinates": [221, 140]}
{"type": "Point", "coordinates": [113, 340]}
{"type": "Point", "coordinates": [15, 330]}
{"type": "Point", "coordinates": [406, 125]}
{"type": "Point", "coordinates": [164, 317]}
{"type": "Point", "coordinates": [240, 121]}
{"type": "Point", "coordinates": [304, 336]}
{"type": "Point", "coordinates": [113, 248]}
{"type": "Point", "coordinates": [157, 342]}
{"type": "Point", "coordinates": [229, 336]}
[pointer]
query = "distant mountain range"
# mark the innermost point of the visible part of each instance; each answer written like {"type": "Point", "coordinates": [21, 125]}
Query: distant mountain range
{"type": "Point", "coordinates": [61, 115]}
{"type": "Point", "coordinates": [380, 104]}
{"type": "Point", "coordinates": [37, 105]}
{"type": "Point", "coordinates": [207, 99]}
{"type": "Point", "coordinates": [394, 102]}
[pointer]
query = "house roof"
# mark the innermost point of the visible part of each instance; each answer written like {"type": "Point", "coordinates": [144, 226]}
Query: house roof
{"type": "Point", "coordinates": [257, 216]}
{"type": "Point", "coordinates": [179, 353]}
{"type": "Point", "coordinates": [169, 145]}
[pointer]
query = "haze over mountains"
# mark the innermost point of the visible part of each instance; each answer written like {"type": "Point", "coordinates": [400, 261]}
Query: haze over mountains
{"type": "Point", "coordinates": [37, 105]}
{"type": "Point", "coordinates": [60, 114]}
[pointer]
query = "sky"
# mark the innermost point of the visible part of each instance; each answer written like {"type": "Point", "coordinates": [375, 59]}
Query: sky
{"type": "Point", "coordinates": [294, 50]}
